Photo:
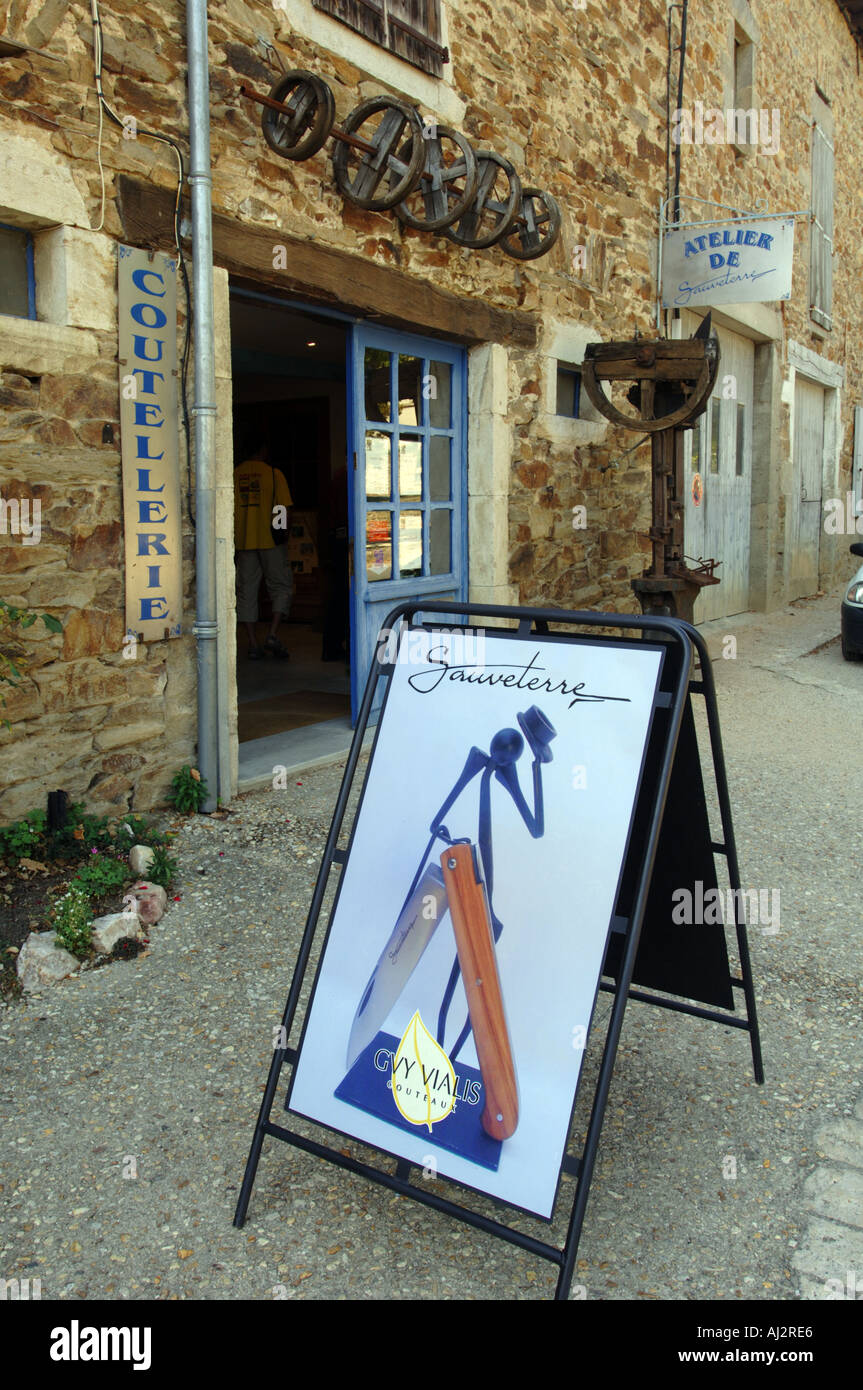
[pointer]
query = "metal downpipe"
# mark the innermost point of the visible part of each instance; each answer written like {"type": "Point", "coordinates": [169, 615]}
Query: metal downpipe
{"type": "Point", "coordinates": [204, 407]}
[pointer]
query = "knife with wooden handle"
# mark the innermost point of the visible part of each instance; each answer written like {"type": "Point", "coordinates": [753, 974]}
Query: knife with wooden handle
{"type": "Point", "coordinates": [478, 965]}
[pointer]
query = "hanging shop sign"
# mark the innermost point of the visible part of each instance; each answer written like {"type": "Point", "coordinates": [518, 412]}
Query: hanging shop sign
{"type": "Point", "coordinates": [147, 289]}
{"type": "Point", "coordinates": [739, 261]}
{"type": "Point", "coordinates": [387, 157]}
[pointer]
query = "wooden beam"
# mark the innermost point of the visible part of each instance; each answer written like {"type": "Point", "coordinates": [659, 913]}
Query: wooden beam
{"type": "Point", "coordinates": [325, 275]}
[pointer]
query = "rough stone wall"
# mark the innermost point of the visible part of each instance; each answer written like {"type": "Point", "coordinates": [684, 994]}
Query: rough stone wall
{"type": "Point", "coordinates": [576, 99]}
{"type": "Point", "coordinates": [799, 46]}
{"type": "Point", "coordinates": [88, 719]}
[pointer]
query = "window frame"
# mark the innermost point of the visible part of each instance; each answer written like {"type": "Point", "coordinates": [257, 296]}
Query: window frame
{"type": "Point", "coordinates": [568, 369]}
{"type": "Point", "coordinates": [30, 266]}
{"type": "Point", "coordinates": [744, 52]}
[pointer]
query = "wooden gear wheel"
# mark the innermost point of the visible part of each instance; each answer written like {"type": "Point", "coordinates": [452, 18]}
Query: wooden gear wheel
{"type": "Point", "coordinates": [365, 164]}
{"type": "Point", "coordinates": [537, 226]}
{"type": "Point", "coordinates": [446, 189]}
{"type": "Point", "coordinates": [495, 204]}
{"type": "Point", "coordinates": [304, 129]}
{"type": "Point", "coordinates": [663, 372]}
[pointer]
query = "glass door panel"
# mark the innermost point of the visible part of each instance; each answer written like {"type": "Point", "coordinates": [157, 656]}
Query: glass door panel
{"type": "Point", "coordinates": [410, 468]}
{"type": "Point", "coordinates": [378, 465]}
{"type": "Point", "coordinates": [408, 433]}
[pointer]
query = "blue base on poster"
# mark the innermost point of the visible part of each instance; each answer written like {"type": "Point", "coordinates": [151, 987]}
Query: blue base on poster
{"type": "Point", "coordinates": [368, 1086]}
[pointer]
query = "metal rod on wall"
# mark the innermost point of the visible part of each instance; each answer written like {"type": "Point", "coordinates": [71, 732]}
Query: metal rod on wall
{"type": "Point", "coordinates": [204, 407]}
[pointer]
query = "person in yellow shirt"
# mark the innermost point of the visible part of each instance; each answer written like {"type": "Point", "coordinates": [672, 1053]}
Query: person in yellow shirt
{"type": "Point", "coordinates": [262, 501]}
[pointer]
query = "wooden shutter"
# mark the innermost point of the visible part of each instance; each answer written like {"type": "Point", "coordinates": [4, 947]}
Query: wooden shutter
{"type": "Point", "coordinates": [409, 28]}
{"type": "Point", "coordinates": [821, 231]}
{"type": "Point", "coordinates": [414, 33]}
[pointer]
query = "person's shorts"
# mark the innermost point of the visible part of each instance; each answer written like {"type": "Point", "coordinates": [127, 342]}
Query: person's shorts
{"type": "Point", "coordinates": [279, 578]}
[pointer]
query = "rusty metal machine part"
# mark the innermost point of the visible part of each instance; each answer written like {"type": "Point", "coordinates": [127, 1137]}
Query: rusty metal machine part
{"type": "Point", "coordinates": [662, 369]}
{"type": "Point", "coordinates": [675, 379]}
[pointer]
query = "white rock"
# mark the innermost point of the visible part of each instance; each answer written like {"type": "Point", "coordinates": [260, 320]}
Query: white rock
{"type": "Point", "coordinates": [114, 927]}
{"type": "Point", "coordinates": [140, 859]}
{"type": "Point", "coordinates": [150, 901]}
{"type": "Point", "coordinates": [42, 962]}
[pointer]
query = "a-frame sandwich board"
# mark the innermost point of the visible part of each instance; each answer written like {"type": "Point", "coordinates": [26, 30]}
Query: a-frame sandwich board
{"type": "Point", "coordinates": [559, 637]}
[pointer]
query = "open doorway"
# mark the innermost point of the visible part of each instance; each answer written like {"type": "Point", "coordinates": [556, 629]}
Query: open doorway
{"type": "Point", "coordinates": [289, 395]}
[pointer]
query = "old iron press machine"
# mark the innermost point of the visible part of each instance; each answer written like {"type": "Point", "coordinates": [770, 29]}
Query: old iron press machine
{"type": "Point", "coordinates": [671, 385]}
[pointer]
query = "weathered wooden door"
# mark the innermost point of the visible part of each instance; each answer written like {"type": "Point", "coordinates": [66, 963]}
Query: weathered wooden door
{"type": "Point", "coordinates": [718, 471]}
{"type": "Point", "coordinates": [407, 436]}
{"type": "Point", "coordinates": [808, 464]}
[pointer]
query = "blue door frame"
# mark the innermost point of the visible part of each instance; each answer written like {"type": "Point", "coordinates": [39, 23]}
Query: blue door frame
{"type": "Point", "coordinates": [407, 462]}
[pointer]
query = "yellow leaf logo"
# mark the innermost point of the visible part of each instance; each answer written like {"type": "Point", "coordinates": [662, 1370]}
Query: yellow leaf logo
{"type": "Point", "coordinates": [423, 1080]}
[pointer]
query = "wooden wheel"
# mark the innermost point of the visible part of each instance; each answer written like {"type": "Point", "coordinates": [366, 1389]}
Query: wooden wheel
{"type": "Point", "coordinates": [302, 131]}
{"type": "Point", "coordinates": [447, 185]}
{"type": "Point", "coordinates": [495, 205]}
{"type": "Point", "coordinates": [675, 377]}
{"type": "Point", "coordinates": [364, 164]}
{"type": "Point", "coordinates": [537, 227]}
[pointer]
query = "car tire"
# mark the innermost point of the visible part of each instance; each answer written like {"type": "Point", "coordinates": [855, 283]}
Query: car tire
{"type": "Point", "coordinates": [850, 653]}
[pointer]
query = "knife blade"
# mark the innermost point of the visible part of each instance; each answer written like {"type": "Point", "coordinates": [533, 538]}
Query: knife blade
{"type": "Point", "coordinates": [411, 934]}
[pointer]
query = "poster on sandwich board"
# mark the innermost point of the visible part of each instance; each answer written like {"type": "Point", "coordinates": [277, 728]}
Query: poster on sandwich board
{"type": "Point", "coordinates": [456, 986]}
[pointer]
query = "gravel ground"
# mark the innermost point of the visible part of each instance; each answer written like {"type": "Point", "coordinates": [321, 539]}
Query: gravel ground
{"type": "Point", "coordinates": [130, 1093]}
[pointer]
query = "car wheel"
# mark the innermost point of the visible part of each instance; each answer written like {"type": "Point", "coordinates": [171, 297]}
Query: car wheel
{"type": "Point", "coordinates": [850, 653]}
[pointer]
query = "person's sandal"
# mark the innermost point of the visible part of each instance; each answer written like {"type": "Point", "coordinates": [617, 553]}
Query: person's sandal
{"type": "Point", "coordinates": [255, 653]}
{"type": "Point", "coordinates": [273, 647]}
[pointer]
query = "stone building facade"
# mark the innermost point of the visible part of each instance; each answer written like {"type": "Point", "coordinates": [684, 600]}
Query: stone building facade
{"type": "Point", "coordinates": [576, 96]}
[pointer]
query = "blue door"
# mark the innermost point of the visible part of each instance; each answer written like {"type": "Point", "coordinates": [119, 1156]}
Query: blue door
{"type": "Point", "coordinates": [407, 434]}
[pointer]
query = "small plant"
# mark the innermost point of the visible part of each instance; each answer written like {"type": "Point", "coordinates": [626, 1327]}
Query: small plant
{"type": "Point", "coordinates": [72, 922]}
{"type": "Point", "coordinates": [163, 867]}
{"type": "Point", "coordinates": [136, 830]}
{"type": "Point", "coordinates": [101, 875]}
{"type": "Point", "coordinates": [81, 833]}
{"type": "Point", "coordinates": [77, 838]}
{"type": "Point", "coordinates": [24, 839]}
{"type": "Point", "coordinates": [13, 655]}
{"type": "Point", "coordinates": [188, 791]}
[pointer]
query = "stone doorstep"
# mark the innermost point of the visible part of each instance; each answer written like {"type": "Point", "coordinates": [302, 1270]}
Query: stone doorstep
{"type": "Point", "coordinates": [829, 1251]}
{"type": "Point", "coordinates": [843, 1142]}
{"type": "Point", "coordinates": [837, 1192]}
{"type": "Point", "coordinates": [815, 1290]}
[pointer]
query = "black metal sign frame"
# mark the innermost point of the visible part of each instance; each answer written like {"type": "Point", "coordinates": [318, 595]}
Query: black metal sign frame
{"type": "Point", "coordinates": [678, 683]}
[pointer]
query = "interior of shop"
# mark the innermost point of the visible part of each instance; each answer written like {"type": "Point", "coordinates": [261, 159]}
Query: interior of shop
{"type": "Point", "coordinates": [289, 387]}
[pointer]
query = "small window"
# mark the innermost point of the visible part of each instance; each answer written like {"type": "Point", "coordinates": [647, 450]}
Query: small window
{"type": "Point", "coordinates": [409, 28]}
{"type": "Point", "coordinates": [715, 432]}
{"type": "Point", "coordinates": [568, 391]}
{"type": "Point", "coordinates": [740, 457]}
{"type": "Point", "coordinates": [743, 99]}
{"type": "Point", "coordinates": [17, 281]}
{"type": "Point", "coordinates": [744, 69]}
